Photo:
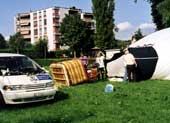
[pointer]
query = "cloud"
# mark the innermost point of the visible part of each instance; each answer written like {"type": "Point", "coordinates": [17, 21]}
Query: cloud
{"type": "Point", "coordinates": [126, 29]}
{"type": "Point", "coordinates": [124, 26]}
{"type": "Point", "coordinates": [147, 28]}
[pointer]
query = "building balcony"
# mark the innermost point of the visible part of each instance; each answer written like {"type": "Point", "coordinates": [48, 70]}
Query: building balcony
{"type": "Point", "coordinates": [56, 24]}
{"type": "Point", "coordinates": [87, 19]}
{"type": "Point", "coordinates": [23, 15]}
{"type": "Point", "coordinates": [24, 20]}
{"type": "Point", "coordinates": [25, 32]}
{"type": "Point", "coordinates": [35, 35]}
{"type": "Point", "coordinates": [56, 16]}
{"type": "Point", "coordinates": [88, 15]}
{"type": "Point", "coordinates": [73, 10]}
{"type": "Point", "coordinates": [35, 18]}
{"type": "Point", "coordinates": [57, 33]}
{"type": "Point", "coordinates": [24, 28]}
{"type": "Point", "coordinates": [25, 23]}
{"type": "Point", "coordinates": [26, 36]}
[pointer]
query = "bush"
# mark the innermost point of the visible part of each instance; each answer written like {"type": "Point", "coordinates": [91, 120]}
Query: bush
{"type": "Point", "coordinates": [32, 53]}
{"type": "Point", "coordinates": [5, 50]}
{"type": "Point", "coordinates": [47, 62]}
{"type": "Point", "coordinates": [63, 53]}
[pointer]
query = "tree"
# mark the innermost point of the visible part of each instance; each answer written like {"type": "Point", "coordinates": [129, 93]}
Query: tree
{"type": "Point", "coordinates": [164, 10]}
{"type": "Point", "coordinates": [16, 42]}
{"type": "Point", "coordinates": [157, 16]}
{"type": "Point", "coordinates": [103, 13]}
{"type": "Point", "coordinates": [2, 42]}
{"type": "Point", "coordinates": [41, 48]}
{"type": "Point", "coordinates": [138, 34]}
{"type": "Point", "coordinates": [76, 33]}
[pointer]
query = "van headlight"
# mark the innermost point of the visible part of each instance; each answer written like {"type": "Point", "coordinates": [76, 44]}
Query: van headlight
{"type": "Point", "coordinates": [7, 88]}
{"type": "Point", "coordinates": [12, 87]}
{"type": "Point", "coordinates": [49, 84]}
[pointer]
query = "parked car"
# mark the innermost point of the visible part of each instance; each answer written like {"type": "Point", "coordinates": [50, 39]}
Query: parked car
{"type": "Point", "coordinates": [22, 80]}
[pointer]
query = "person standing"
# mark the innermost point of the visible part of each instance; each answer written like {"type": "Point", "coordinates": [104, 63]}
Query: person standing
{"type": "Point", "coordinates": [100, 61]}
{"type": "Point", "coordinates": [84, 59]}
{"type": "Point", "coordinates": [130, 64]}
{"type": "Point", "coordinates": [133, 40]}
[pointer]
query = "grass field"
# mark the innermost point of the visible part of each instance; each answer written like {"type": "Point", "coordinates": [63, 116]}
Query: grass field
{"type": "Point", "coordinates": [143, 102]}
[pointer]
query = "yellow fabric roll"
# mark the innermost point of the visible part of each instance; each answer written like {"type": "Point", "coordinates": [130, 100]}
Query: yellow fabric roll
{"type": "Point", "coordinates": [69, 72]}
{"type": "Point", "coordinates": [76, 71]}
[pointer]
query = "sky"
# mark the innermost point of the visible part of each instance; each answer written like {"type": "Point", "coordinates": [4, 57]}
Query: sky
{"type": "Point", "coordinates": [129, 16]}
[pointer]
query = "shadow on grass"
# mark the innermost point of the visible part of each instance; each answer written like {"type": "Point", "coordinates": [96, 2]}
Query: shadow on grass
{"type": "Point", "coordinates": [71, 118]}
{"type": "Point", "coordinates": [59, 96]}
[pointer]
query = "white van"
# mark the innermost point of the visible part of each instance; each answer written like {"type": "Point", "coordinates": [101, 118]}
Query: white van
{"type": "Point", "coordinates": [23, 81]}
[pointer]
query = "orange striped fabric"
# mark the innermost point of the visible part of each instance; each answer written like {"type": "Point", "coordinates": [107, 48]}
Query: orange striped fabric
{"type": "Point", "coordinates": [76, 71]}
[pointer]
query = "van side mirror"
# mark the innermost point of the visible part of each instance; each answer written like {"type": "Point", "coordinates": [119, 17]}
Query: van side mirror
{"type": "Point", "coordinates": [4, 72]}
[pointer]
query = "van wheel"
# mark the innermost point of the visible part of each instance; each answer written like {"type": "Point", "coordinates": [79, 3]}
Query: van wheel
{"type": "Point", "coordinates": [2, 102]}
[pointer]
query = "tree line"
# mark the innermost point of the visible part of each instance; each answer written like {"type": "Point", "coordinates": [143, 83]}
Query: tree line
{"type": "Point", "coordinates": [16, 44]}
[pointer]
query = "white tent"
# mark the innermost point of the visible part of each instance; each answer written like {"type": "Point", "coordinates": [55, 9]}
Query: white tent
{"type": "Point", "coordinates": [152, 55]}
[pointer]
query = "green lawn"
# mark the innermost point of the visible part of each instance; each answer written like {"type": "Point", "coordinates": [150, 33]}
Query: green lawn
{"type": "Point", "coordinates": [143, 102]}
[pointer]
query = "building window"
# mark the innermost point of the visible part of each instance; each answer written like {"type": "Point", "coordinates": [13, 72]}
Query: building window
{"type": "Point", "coordinates": [35, 23]}
{"type": "Point", "coordinates": [39, 14]}
{"type": "Point", "coordinates": [55, 30]}
{"type": "Point", "coordinates": [55, 20]}
{"type": "Point", "coordinates": [45, 30]}
{"type": "Point", "coordinates": [45, 21]}
{"type": "Point", "coordinates": [56, 12]}
{"type": "Point", "coordinates": [40, 30]}
{"type": "Point", "coordinates": [40, 23]}
{"type": "Point", "coordinates": [56, 38]}
{"type": "Point", "coordinates": [44, 13]}
{"type": "Point", "coordinates": [57, 45]}
{"type": "Point", "coordinates": [36, 38]}
{"type": "Point", "coordinates": [45, 36]}
{"type": "Point", "coordinates": [35, 32]}
{"type": "Point", "coordinates": [35, 16]}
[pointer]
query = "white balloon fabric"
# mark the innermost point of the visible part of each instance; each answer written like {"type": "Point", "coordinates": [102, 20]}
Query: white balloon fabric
{"type": "Point", "coordinates": [160, 41]}
{"type": "Point", "coordinates": [156, 43]}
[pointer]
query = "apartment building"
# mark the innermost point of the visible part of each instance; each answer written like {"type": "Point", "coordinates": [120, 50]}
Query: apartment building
{"type": "Point", "coordinates": [45, 23]}
{"type": "Point", "coordinates": [22, 25]}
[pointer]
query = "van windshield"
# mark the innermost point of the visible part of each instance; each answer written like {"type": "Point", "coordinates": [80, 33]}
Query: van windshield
{"type": "Point", "coordinates": [19, 65]}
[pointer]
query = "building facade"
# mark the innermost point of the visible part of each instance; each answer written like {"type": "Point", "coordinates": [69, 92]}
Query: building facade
{"type": "Point", "coordinates": [89, 18]}
{"type": "Point", "coordinates": [23, 25]}
{"type": "Point", "coordinates": [45, 23]}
